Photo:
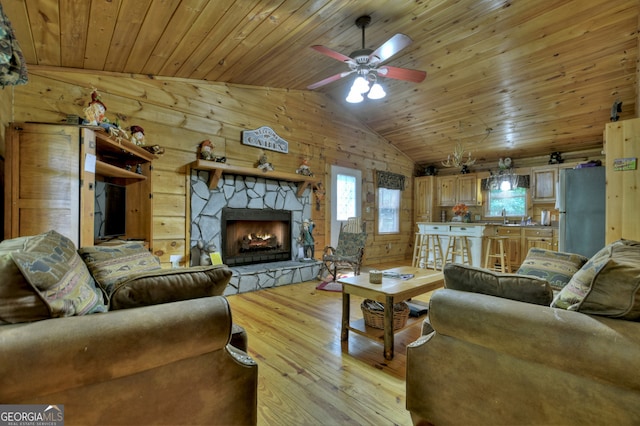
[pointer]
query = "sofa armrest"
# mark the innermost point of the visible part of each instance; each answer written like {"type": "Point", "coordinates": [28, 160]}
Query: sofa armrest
{"type": "Point", "coordinates": [604, 349]}
{"type": "Point", "coordinates": [63, 353]}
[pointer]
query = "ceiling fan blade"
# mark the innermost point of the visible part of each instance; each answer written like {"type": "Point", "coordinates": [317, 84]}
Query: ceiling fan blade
{"type": "Point", "coordinates": [332, 53]}
{"type": "Point", "coordinates": [329, 80]}
{"type": "Point", "coordinates": [406, 74]}
{"type": "Point", "coordinates": [391, 47]}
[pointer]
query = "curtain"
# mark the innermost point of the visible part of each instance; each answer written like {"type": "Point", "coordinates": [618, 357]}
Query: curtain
{"type": "Point", "coordinates": [493, 182]}
{"type": "Point", "coordinates": [390, 180]}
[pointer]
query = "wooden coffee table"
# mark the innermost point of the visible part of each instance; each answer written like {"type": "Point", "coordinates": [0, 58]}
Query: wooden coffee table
{"type": "Point", "coordinates": [392, 290]}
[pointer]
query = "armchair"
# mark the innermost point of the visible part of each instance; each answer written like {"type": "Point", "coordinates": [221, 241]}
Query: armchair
{"type": "Point", "coordinates": [349, 251]}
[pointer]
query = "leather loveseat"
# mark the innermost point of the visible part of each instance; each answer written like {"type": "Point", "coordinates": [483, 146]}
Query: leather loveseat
{"type": "Point", "coordinates": [153, 349]}
{"type": "Point", "coordinates": [488, 356]}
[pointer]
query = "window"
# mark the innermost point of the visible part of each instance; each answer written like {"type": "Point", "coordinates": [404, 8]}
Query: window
{"type": "Point", "coordinates": [388, 210]}
{"type": "Point", "coordinates": [514, 202]}
{"type": "Point", "coordinates": [346, 190]}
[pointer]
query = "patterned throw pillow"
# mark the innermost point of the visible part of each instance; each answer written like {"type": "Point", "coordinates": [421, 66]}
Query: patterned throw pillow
{"type": "Point", "coordinates": [608, 284]}
{"type": "Point", "coordinates": [50, 263]}
{"type": "Point", "coordinates": [111, 265]}
{"type": "Point", "coordinates": [555, 267]}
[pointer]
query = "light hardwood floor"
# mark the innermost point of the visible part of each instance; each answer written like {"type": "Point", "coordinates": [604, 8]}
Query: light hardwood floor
{"type": "Point", "coordinates": [307, 376]}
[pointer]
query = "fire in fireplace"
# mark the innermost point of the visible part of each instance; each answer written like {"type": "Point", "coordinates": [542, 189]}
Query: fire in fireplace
{"type": "Point", "coordinates": [255, 236]}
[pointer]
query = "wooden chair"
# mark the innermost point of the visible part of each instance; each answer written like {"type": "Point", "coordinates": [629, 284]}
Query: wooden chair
{"type": "Point", "coordinates": [349, 252]}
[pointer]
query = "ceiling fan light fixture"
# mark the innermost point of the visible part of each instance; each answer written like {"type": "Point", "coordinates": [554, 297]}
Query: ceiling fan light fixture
{"type": "Point", "coordinates": [360, 85]}
{"type": "Point", "coordinates": [376, 92]}
{"type": "Point", "coordinates": [354, 97]}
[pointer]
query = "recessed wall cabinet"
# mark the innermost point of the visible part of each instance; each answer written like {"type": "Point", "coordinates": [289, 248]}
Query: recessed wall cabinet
{"type": "Point", "coordinates": [50, 175]}
{"type": "Point", "coordinates": [458, 189]}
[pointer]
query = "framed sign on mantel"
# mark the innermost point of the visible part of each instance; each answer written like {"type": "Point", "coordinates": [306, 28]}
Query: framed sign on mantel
{"type": "Point", "coordinates": [266, 138]}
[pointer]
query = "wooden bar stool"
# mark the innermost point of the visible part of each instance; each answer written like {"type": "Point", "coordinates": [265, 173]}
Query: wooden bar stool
{"type": "Point", "coordinates": [427, 245]}
{"type": "Point", "coordinates": [458, 247]}
{"type": "Point", "coordinates": [497, 255]}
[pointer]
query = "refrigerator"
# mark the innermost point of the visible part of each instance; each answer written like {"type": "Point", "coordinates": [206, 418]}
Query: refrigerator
{"type": "Point", "coordinates": [581, 204]}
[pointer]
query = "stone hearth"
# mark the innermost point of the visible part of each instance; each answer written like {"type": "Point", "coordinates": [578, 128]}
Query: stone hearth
{"type": "Point", "coordinates": [248, 192]}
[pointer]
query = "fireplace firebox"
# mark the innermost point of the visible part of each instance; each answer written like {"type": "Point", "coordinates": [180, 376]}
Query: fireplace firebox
{"type": "Point", "coordinates": [255, 236]}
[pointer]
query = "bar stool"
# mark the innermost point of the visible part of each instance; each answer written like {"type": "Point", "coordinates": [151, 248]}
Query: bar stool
{"type": "Point", "coordinates": [458, 247]}
{"type": "Point", "coordinates": [427, 245]}
{"type": "Point", "coordinates": [495, 250]}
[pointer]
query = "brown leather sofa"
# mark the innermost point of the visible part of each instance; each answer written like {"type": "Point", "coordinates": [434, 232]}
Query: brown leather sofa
{"type": "Point", "coordinates": [161, 364]}
{"type": "Point", "coordinates": [147, 346]}
{"type": "Point", "coordinates": [485, 359]}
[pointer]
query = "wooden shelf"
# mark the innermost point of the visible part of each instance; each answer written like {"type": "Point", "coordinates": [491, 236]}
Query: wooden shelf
{"type": "Point", "coordinates": [106, 144]}
{"type": "Point", "coordinates": [217, 169]}
{"type": "Point", "coordinates": [106, 169]}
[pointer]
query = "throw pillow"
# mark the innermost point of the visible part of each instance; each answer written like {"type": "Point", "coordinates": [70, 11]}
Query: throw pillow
{"type": "Point", "coordinates": [170, 285]}
{"type": "Point", "coordinates": [509, 286]}
{"type": "Point", "coordinates": [19, 300]}
{"type": "Point", "coordinates": [608, 284]}
{"type": "Point", "coordinates": [111, 265]}
{"type": "Point", "coordinates": [49, 262]}
{"type": "Point", "coordinates": [555, 267]}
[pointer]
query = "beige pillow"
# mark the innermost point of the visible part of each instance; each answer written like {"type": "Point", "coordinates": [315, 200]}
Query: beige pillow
{"type": "Point", "coordinates": [608, 284]}
{"type": "Point", "coordinates": [170, 285]}
{"type": "Point", "coordinates": [509, 286]}
{"type": "Point", "coordinates": [556, 267]}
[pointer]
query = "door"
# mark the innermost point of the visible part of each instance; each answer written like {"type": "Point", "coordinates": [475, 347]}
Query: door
{"type": "Point", "coordinates": [346, 197]}
{"type": "Point", "coordinates": [43, 180]}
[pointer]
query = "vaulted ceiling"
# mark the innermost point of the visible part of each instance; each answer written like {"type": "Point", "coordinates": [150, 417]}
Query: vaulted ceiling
{"type": "Point", "coordinates": [505, 77]}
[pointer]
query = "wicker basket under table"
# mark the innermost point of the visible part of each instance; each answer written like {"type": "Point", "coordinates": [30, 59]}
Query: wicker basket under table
{"type": "Point", "coordinates": [373, 313]}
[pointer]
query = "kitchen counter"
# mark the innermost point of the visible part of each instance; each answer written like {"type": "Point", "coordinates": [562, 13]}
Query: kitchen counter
{"type": "Point", "coordinates": [515, 225]}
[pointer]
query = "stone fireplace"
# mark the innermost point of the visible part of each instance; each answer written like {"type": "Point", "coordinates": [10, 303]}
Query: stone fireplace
{"type": "Point", "coordinates": [255, 236]}
{"type": "Point", "coordinates": [252, 196]}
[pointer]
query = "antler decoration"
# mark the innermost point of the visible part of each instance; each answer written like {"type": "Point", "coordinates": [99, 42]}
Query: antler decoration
{"type": "Point", "coordinates": [458, 158]}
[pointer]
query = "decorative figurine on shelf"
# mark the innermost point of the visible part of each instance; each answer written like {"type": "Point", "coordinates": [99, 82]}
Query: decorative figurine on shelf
{"type": "Point", "coordinates": [154, 149]}
{"type": "Point", "coordinates": [319, 192]}
{"type": "Point", "coordinates": [139, 169]}
{"type": "Point", "coordinates": [206, 152]}
{"type": "Point", "coordinates": [306, 238]}
{"type": "Point", "coordinates": [137, 135]}
{"type": "Point", "coordinates": [95, 112]}
{"type": "Point", "coordinates": [304, 169]}
{"type": "Point", "coordinates": [555, 158]}
{"type": "Point", "coordinates": [264, 164]}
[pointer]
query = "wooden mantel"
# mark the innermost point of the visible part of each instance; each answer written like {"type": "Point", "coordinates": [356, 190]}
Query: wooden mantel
{"type": "Point", "coordinates": [217, 169]}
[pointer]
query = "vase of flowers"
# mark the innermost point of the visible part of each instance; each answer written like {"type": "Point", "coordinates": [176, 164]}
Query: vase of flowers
{"type": "Point", "coordinates": [460, 212]}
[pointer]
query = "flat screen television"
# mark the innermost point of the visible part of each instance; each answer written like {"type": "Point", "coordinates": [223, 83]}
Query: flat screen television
{"type": "Point", "coordinates": [110, 210]}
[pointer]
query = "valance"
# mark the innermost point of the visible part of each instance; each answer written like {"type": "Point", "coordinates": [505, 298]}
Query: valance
{"type": "Point", "coordinates": [390, 180]}
{"type": "Point", "coordinates": [493, 182]}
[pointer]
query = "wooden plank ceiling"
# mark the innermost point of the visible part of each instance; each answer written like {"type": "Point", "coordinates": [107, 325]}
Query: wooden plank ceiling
{"type": "Point", "coordinates": [505, 77]}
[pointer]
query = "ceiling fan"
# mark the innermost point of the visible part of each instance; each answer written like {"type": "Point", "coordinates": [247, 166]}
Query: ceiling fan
{"type": "Point", "coordinates": [366, 63]}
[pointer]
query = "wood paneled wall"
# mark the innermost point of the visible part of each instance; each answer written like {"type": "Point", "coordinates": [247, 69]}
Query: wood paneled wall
{"type": "Point", "coordinates": [178, 114]}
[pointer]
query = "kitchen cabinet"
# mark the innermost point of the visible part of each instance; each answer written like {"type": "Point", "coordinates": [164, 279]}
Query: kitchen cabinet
{"type": "Point", "coordinates": [538, 238]}
{"type": "Point", "coordinates": [458, 189]}
{"type": "Point", "coordinates": [543, 184]}
{"type": "Point", "coordinates": [50, 175]}
{"type": "Point", "coordinates": [513, 245]}
{"type": "Point", "coordinates": [424, 199]}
